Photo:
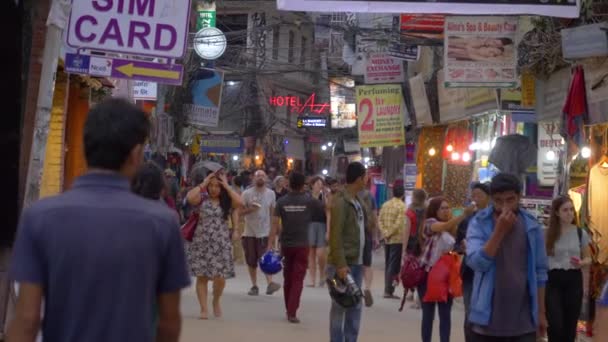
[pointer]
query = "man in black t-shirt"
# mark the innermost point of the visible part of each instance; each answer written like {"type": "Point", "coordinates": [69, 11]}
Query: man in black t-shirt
{"type": "Point", "coordinates": [291, 219]}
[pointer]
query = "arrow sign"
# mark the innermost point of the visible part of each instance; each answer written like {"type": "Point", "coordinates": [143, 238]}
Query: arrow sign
{"type": "Point", "coordinates": [146, 71]}
{"type": "Point", "coordinates": [123, 68]}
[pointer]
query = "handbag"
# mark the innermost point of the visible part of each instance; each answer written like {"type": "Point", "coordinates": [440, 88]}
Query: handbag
{"type": "Point", "coordinates": [438, 281]}
{"type": "Point", "coordinates": [189, 227]}
{"type": "Point", "coordinates": [455, 278]}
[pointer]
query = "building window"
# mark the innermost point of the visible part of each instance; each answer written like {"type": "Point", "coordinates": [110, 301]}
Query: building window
{"type": "Point", "coordinates": [303, 51]}
{"type": "Point", "coordinates": [275, 43]}
{"type": "Point", "coordinates": [291, 43]}
{"type": "Point", "coordinates": [338, 18]}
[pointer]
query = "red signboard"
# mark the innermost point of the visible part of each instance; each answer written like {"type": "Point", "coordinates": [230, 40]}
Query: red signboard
{"type": "Point", "coordinates": [299, 106]}
{"type": "Point", "coordinates": [423, 25]}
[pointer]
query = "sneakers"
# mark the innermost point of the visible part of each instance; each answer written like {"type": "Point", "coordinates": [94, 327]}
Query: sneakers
{"type": "Point", "coordinates": [272, 288]}
{"type": "Point", "coordinates": [254, 291]}
{"type": "Point", "coordinates": [293, 320]}
{"type": "Point", "coordinates": [367, 296]}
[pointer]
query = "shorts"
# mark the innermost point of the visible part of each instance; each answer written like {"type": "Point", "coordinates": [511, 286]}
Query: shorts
{"type": "Point", "coordinates": [367, 250]}
{"type": "Point", "coordinates": [254, 249]}
{"type": "Point", "coordinates": [317, 232]}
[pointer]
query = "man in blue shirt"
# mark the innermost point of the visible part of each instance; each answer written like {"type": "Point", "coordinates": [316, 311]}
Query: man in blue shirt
{"type": "Point", "coordinates": [506, 250]}
{"type": "Point", "coordinates": [99, 256]}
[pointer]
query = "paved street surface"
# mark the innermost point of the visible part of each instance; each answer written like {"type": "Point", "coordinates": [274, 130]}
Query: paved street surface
{"type": "Point", "coordinates": [262, 318]}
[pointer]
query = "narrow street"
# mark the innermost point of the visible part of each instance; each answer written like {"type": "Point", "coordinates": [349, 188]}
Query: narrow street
{"type": "Point", "coordinates": [262, 318]}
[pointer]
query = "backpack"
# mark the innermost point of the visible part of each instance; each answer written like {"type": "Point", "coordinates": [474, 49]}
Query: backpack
{"type": "Point", "coordinates": [411, 275]}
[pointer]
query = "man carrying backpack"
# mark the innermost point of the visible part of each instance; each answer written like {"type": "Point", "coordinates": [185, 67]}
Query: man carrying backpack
{"type": "Point", "coordinates": [414, 221]}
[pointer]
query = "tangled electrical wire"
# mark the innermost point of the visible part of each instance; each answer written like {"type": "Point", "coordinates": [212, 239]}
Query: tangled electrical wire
{"type": "Point", "coordinates": [540, 50]}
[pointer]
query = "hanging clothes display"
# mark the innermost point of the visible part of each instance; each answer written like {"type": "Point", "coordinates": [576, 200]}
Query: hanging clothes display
{"type": "Point", "coordinates": [457, 182]}
{"type": "Point", "coordinates": [576, 194]}
{"type": "Point", "coordinates": [575, 112]}
{"type": "Point", "coordinates": [429, 161]}
{"type": "Point", "coordinates": [458, 140]}
{"type": "Point", "coordinates": [597, 192]}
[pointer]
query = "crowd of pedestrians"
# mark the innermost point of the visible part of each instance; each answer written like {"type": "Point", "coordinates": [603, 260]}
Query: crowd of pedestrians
{"type": "Point", "coordinates": [105, 261]}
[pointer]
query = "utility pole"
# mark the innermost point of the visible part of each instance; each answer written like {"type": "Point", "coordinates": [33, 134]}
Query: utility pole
{"type": "Point", "coordinates": [56, 23]}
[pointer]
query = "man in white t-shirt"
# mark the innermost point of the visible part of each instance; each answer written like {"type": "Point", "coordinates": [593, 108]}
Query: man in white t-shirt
{"type": "Point", "coordinates": [259, 205]}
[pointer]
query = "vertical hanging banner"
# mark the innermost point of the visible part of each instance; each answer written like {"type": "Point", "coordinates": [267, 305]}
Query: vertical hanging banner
{"type": "Point", "coordinates": [205, 15]}
{"type": "Point", "coordinates": [480, 52]}
{"type": "Point", "coordinates": [380, 110]}
{"type": "Point", "coordinates": [206, 91]}
{"type": "Point", "coordinates": [551, 8]}
{"type": "Point", "coordinates": [549, 149]}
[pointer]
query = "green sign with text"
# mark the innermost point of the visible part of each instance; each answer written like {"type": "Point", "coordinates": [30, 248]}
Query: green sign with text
{"type": "Point", "coordinates": [205, 18]}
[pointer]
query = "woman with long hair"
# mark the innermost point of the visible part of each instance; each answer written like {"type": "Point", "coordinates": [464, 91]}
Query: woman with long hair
{"type": "Point", "coordinates": [438, 220]}
{"type": "Point", "coordinates": [210, 252]}
{"type": "Point", "coordinates": [568, 251]}
{"type": "Point", "coordinates": [317, 257]}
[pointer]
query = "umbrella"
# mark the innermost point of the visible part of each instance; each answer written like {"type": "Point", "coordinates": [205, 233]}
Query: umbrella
{"type": "Point", "coordinates": [200, 170]}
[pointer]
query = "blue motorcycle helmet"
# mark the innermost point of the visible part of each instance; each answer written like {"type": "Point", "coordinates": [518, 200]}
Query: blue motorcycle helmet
{"type": "Point", "coordinates": [271, 263]}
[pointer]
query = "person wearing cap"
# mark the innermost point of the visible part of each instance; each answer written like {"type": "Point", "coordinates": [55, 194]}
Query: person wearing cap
{"type": "Point", "coordinates": [480, 195]}
{"type": "Point", "coordinates": [392, 223]}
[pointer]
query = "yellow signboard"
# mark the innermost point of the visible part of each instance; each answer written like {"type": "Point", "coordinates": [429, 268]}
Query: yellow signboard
{"type": "Point", "coordinates": [380, 115]}
{"type": "Point", "coordinates": [528, 90]}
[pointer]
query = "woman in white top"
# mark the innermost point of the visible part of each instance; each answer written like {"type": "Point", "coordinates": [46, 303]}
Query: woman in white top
{"type": "Point", "coordinates": [568, 251]}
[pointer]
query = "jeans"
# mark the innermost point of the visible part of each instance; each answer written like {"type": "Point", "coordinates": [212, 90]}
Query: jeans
{"type": "Point", "coordinates": [392, 258]}
{"type": "Point", "coordinates": [467, 292]}
{"type": "Point", "coordinates": [564, 299]}
{"type": "Point", "coordinates": [428, 315]}
{"type": "Point", "coordinates": [523, 338]}
{"type": "Point", "coordinates": [296, 262]}
{"type": "Point", "coordinates": [344, 323]}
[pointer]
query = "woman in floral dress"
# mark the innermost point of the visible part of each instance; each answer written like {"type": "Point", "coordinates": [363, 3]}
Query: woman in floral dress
{"type": "Point", "coordinates": [210, 252]}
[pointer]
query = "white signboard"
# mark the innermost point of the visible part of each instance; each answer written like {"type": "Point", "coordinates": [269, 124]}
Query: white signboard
{"type": "Point", "coordinates": [481, 52]}
{"type": "Point", "coordinates": [138, 27]}
{"type": "Point", "coordinates": [552, 8]}
{"type": "Point", "coordinates": [585, 41]}
{"type": "Point", "coordinates": [451, 101]}
{"type": "Point", "coordinates": [382, 68]}
{"type": "Point", "coordinates": [549, 148]}
{"type": "Point", "coordinates": [420, 101]}
{"type": "Point", "coordinates": [202, 116]}
{"type": "Point", "coordinates": [144, 90]}
{"type": "Point", "coordinates": [551, 95]}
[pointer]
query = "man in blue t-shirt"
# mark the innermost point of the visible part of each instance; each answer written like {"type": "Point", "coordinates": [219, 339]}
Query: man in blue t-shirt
{"type": "Point", "coordinates": [100, 257]}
